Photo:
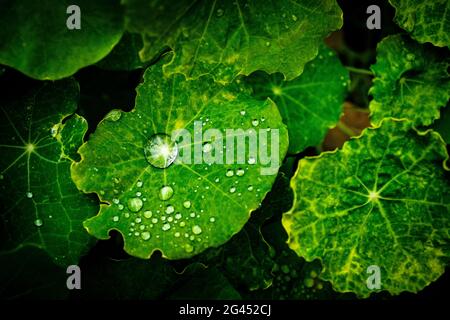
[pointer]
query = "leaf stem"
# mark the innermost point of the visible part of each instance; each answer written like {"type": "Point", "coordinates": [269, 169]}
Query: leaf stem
{"type": "Point", "coordinates": [359, 70]}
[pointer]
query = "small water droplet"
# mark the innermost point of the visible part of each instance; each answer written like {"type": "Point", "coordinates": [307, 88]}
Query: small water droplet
{"type": "Point", "coordinates": [177, 234]}
{"type": "Point", "coordinates": [154, 220]}
{"type": "Point", "coordinates": [116, 180]}
{"type": "Point", "coordinates": [165, 193]}
{"type": "Point", "coordinates": [250, 188]}
{"type": "Point", "coordinates": [29, 195]}
{"type": "Point", "coordinates": [135, 204]}
{"type": "Point", "coordinates": [120, 206]}
{"type": "Point", "coordinates": [145, 235]}
{"type": "Point", "coordinates": [138, 220]}
{"type": "Point", "coordinates": [170, 209]}
{"type": "Point", "coordinates": [187, 204]}
{"type": "Point", "coordinates": [255, 122]}
{"type": "Point", "coordinates": [148, 214]}
{"type": "Point", "coordinates": [268, 44]}
{"type": "Point", "coordinates": [166, 227]}
{"type": "Point", "coordinates": [126, 215]}
{"type": "Point", "coordinates": [196, 229]}
{"type": "Point", "coordinates": [212, 219]}
{"type": "Point", "coordinates": [294, 17]}
{"type": "Point", "coordinates": [240, 172]}
{"type": "Point", "coordinates": [188, 248]}
{"type": "Point", "coordinates": [229, 173]}
{"type": "Point", "coordinates": [116, 201]}
{"type": "Point", "coordinates": [232, 190]}
{"type": "Point", "coordinates": [251, 160]}
{"type": "Point", "coordinates": [160, 151]}
{"type": "Point", "coordinates": [207, 147]}
{"type": "Point", "coordinates": [219, 12]}
{"type": "Point", "coordinates": [138, 194]}
{"type": "Point", "coordinates": [139, 184]}
{"type": "Point", "coordinates": [242, 112]}
{"type": "Point", "coordinates": [217, 180]}
{"type": "Point", "coordinates": [38, 222]}
{"type": "Point", "coordinates": [115, 218]}
{"type": "Point", "coordinates": [182, 224]}
{"type": "Point", "coordinates": [178, 216]}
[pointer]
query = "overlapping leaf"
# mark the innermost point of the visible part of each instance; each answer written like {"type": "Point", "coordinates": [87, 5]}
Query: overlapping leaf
{"type": "Point", "coordinates": [180, 208]}
{"type": "Point", "coordinates": [228, 38]}
{"type": "Point", "coordinates": [382, 200]}
{"type": "Point", "coordinates": [425, 20]}
{"type": "Point", "coordinates": [411, 81]}
{"type": "Point", "coordinates": [40, 205]}
{"type": "Point", "coordinates": [310, 104]}
{"type": "Point", "coordinates": [35, 40]}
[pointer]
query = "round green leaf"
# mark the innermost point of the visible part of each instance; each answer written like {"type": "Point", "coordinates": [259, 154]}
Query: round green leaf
{"type": "Point", "coordinates": [227, 38]}
{"type": "Point", "coordinates": [425, 20]}
{"type": "Point", "coordinates": [310, 104]}
{"type": "Point", "coordinates": [40, 205]}
{"type": "Point", "coordinates": [383, 200]}
{"type": "Point", "coordinates": [155, 200]}
{"type": "Point", "coordinates": [35, 40]}
{"type": "Point", "coordinates": [411, 81]}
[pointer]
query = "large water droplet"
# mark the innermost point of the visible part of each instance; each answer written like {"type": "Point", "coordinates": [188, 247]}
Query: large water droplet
{"type": "Point", "coordinates": [165, 193]}
{"type": "Point", "coordinates": [160, 151]}
{"type": "Point", "coordinates": [135, 204]}
{"type": "Point", "coordinates": [38, 222]}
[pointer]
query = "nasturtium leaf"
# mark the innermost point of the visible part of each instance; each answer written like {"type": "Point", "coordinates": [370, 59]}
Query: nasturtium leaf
{"type": "Point", "coordinates": [442, 125]}
{"type": "Point", "coordinates": [40, 205]}
{"type": "Point", "coordinates": [35, 39]}
{"type": "Point", "coordinates": [411, 81]}
{"type": "Point", "coordinates": [247, 259]}
{"type": "Point", "coordinates": [166, 180]}
{"type": "Point", "coordinates": [227, 38]}
{"type": "Point", "coordinates": [310, 104]}
{"type": "Point", "coordinates": [425, 20]}
{"type": "Point", "coordinates": [29, 273]}
{"type": "Point", "coordinates": [125, 55]}
{"type": "Point", "coordinates": [383, 200]}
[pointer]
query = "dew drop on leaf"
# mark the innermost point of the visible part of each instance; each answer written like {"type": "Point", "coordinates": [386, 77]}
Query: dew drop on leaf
{"type": "Point", "coordinates": [160, 151]}
{"type": "Point", "coordinates": [148, 214]}
{"type": "Point", "coordinates": [229, 173]}
{"type": "Point", "coordinates": [145, 235]}
{"type": "Point", "coordinates": [135, 204]}
{"type": "Point", "coordinates": [187, 204]}
{"type": "Point", "coordinates": [165, 193]}
{"type": "Point", "coordinates": [38, 222]}
{"type": "Point", "coordinates": [240, 172]}
{"type": "Point", "coordinates": [29, 195]}
{"type": "Point", "coordinates": [196, 229]}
